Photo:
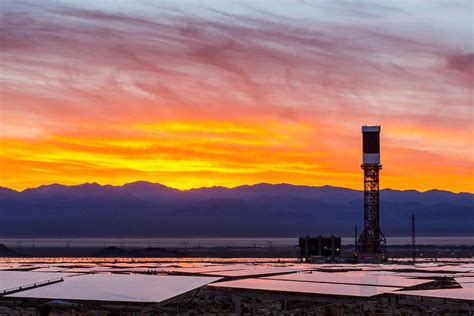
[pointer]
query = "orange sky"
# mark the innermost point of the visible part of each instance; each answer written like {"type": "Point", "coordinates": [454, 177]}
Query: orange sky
{"type": "Point", "coordinates": [196, 95]}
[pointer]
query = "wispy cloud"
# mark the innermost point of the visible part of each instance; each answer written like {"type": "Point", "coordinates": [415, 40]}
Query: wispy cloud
{"type": "Point", "coordinates": [79, 70]}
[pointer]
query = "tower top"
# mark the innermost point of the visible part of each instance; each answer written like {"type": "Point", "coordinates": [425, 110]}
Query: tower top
{"type": "Point", "coordinates": [371, 145]}
{"type": "Point", "coordinates": [371, 129]}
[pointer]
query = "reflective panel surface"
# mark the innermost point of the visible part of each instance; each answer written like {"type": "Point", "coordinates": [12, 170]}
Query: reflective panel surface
{"type": "Point", "coordinates": [456, 293]}
{"type": "Point", "coordinates": [118, 288]}
{"type": "Point", "coordinates": [305, 287]}
{"type": "Point", "coordinates": [14, 279]}
{"type": "Point", "coordinates": [351, 278]}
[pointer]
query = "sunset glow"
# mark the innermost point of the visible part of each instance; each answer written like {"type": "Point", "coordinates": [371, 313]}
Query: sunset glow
{"type": "Point", "coordinates": [207, 94]}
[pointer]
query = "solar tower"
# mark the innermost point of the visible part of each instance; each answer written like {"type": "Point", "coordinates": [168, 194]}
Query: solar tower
{"type": "Point", "coordinates": [371, 245]}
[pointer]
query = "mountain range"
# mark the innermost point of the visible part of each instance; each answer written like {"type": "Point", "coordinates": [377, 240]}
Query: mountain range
{"type": "Point", "coordinates": [262, 210]}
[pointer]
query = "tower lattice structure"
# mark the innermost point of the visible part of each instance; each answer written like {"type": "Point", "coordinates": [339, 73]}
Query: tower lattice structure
{"type": "Point", "coordinates": [372, 238]}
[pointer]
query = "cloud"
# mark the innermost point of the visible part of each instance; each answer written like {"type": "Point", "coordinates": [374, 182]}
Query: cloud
{"type": "Point", "coordinates": [463, 63]}
{"type": "Point", "coordinates": [74, 69]}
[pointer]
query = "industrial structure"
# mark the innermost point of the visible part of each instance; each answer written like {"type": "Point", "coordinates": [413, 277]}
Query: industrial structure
{"type": "Point", "coordinates": [319, 247]}
{"type": "Point", "coordinates": [371, 243]}
{"type": "Point", "coordinates": [413, 238]}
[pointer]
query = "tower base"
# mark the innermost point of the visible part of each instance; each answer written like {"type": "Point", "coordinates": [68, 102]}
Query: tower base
{"type": "Point", "coordinates": [371, 257]}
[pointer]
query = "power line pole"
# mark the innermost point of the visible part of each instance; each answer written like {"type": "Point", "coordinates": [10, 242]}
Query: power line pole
{"type": "Point", "coordinates": [413, 238]}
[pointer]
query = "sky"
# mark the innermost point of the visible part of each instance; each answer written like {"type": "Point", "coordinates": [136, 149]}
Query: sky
{"type": "Point", "coordinates": [226, 93]}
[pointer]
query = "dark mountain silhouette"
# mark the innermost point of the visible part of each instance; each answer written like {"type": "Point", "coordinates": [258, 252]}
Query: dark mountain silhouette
{"type": "Point", "coordinates": [280, 210]}
{"type": "Point", "coordinates": [7, 252]}
{"type": "Point", "coordinates": [6, 193]}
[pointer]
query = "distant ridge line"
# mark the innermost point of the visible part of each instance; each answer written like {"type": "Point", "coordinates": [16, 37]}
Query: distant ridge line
{"type": "Point", "coordinates": [157, 184]}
